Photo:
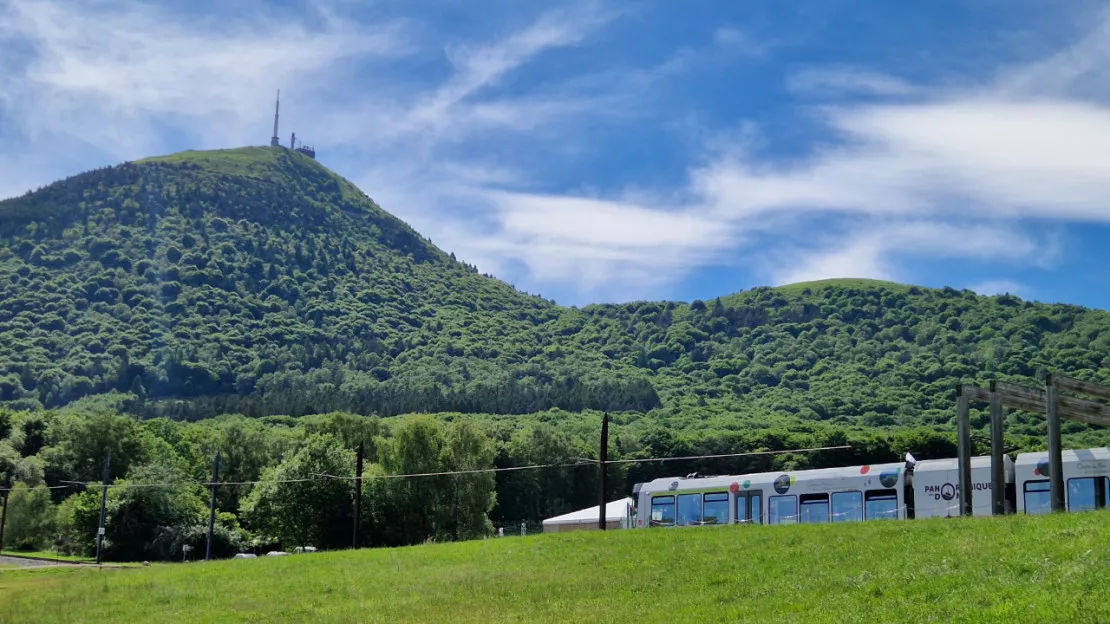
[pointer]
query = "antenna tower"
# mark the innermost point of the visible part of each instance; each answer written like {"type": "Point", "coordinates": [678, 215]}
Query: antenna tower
{"type": "Point", "coordinates": [275, 141]}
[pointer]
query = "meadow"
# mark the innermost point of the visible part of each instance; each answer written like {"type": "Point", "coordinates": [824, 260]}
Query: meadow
{"type": "Point", "coordinates": [1007, 569]}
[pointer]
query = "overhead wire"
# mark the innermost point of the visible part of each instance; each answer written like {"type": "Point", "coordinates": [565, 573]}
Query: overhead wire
{"type": "Point", "coordinates": [318, 476]}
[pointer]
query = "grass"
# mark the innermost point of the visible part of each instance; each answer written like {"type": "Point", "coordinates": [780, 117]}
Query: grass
{"type": "Point", "coordinates": [1014, 569]}
{"type": "Point", "coordinates": [843, 283]}
{"type": "Point", "coordinates": [254, 162]}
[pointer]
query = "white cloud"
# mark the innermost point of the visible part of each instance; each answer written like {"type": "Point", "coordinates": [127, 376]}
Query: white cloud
{"type": "Point", "coordinates": [837, 81]}
{"type": "Point", "coordinates": [112, 75]}
{"type": "Point", "coordinates": [1000, 287]}
{"type": "Point", "coordinates": [876, 251]}
{"type": "Point", "coordinates": [733, 38]}
{"type": "Point", "coordinates": [917, 171]}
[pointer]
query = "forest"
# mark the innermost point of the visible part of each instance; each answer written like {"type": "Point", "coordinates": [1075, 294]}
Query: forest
{"type": "Point", "coordinates": [252, 302]}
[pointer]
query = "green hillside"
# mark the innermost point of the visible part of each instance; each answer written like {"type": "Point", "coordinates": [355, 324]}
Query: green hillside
{"type": "Point", "coordinates": [256, 281]}
{"type": "Point", "coordinates": [1016, 569]}
{"type": "Point", "coordinates": [246, 278]}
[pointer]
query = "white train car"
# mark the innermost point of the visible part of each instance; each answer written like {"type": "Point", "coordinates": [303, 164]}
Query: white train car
{"type": "Point", "coordinates": [1086, 480]}
{"type": "Point", "coordinates": [824, 495]}
{"type": "Point", "coordinates": [936, 487]}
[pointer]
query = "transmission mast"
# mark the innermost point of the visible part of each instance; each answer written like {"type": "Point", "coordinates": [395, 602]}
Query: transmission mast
{"type": "Point", "coordinates": [274, 140]}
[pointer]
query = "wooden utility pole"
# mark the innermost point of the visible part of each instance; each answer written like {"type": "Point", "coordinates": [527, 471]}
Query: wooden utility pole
{"type": "Point", "coordinates": [1047, 401]}
{"type": "Point", "coordinates": [963, 425]}
{"type": "Point", "coordinates": [602, 470]}
{"type": "Point", "coordinates": [212, 506]}
{"type": "Point", "coordinates": [1055, 446]}
{"type": "Point", "coordinates": [4, 513]}
{"type": "Point", "coordinates": [998, 469]}
{"type": "Point", "coordinates": [103, 504]}
{"type": "Point", "coordinates": [358, 494]}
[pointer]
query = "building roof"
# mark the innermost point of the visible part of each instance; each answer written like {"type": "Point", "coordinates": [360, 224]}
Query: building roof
{"type": "Point", "coordinates": [614, 511]}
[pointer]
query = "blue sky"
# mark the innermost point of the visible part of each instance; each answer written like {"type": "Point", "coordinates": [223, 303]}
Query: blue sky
{"type": "Point", "coordinates": [610, 151]}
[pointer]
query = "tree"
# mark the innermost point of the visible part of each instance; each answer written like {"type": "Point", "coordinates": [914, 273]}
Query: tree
{"type": "Point", "coordinates": [30, 519]}
{"type": "Point", "coordinates": [469, 497]}
{"type": "Point", "coordinates": [410, 509]}
{"type": "Point", "coordinates": [299, 506]}
{"type": "Point", "coordinates": [152, 521]}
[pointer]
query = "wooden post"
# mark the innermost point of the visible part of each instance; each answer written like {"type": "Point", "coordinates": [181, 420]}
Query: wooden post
{"type": "Point", "coordinates": [963, 426]}
{"type": "Point", "coordinates": [212, 506]}
{"type": "Point", "coordinates": [103, 504]}
{"type": "Point", "coordinates": [4, 513]}
{"type": "Point", "coordinates": [998, 468]}
{"type": "Point", "coordinates": [1055, 448]}
{"type": "Point", "coordinates": [601, 468]}
{"type": "Point", "coordinates": [358, 494]}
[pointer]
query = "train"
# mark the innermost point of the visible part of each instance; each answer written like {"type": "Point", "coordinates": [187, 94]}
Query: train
{"type": "Point", "coordinates": [889, 491]}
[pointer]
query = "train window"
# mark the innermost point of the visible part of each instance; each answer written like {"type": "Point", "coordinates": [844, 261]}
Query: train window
{"type": "Point", "coordinates": [757, 508]}
{"type": "Point", "coordinates": [662, 511]}
{"type": "Point", "coordinates": [1038, 498]}
{"type": "Point", "coordinates": [815, 508]}
{"type": "Point", "coordinates": [689, 509]}
{"type": "Point", "coordinates": [716, 508]}
{"type": "Point", "coordinates": [742, 515]}
{"type": "Point", "coordinates": [881, 504]}
{"type": "Point", "coordinates": [1086, 493]}
{"type": "Point", "coordinates": [782, 509]}
{"type": "Point", "coordinates": [847, 507]}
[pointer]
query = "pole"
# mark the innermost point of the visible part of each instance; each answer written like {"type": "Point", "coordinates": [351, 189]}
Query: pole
{"type": "Point", "coordinates": [963, 425]}
{"type": "Point", "coordinates": [4, 517]}
{"type": "Point", "coordinates": [998, 472]}
{"type": "Point", "coordinates": [212, 506]}
{"type": "Point", "coordinates": [1055, 455]}
{"type": "Point", "coordinates": [358, 493]}
{"type": "Point", "coordinates": [601, 468]}
{"type": "Point", "coordinates": [103, 504]}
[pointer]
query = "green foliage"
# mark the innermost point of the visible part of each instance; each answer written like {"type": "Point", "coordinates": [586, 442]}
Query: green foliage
{"type": "Point", "coordinates": [30, 519]}
{"type": "Point", "coordinates": [255, 281]}
{"type": "Point", "coordinates": [297, 509]}
{"type": "Point", "coordinates": [153, 514]}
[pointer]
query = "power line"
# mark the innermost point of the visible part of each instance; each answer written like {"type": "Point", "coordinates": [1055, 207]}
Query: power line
{"type": "Point", "coordinates": [319, 476]}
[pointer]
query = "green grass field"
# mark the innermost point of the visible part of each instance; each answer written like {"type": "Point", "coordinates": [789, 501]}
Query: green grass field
{"type": "Point", "coordinates": [1015, 569]}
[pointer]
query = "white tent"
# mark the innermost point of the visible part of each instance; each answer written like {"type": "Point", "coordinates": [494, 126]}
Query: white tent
{"type": "Point", "coordinates": [618, 515]}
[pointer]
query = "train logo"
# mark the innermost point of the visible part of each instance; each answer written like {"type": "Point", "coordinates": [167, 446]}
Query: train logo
{"type": "Point", "coordinates": [783, 483]}
{"type": "Point", "coordinates": [948, 491]}
{"type": "Point", "coordinates": [890, 477]}
{"type": "Point", "coordinates": [1042, 468]}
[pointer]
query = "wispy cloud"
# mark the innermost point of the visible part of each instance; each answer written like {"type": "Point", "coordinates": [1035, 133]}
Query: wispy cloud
{"type": "Point", "coordinates": [836, 81]}
{"type": "Point", "coordinates": [113, 75]}
{"type": "Point", "coordinates": [466, 151]}
{"type": "Point", "coordinates": [1000, 287]}
{"type": "Point", "coordinates": [880, 250]}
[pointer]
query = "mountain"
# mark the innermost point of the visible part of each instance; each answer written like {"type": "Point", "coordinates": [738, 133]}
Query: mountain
{"type": "Point", "coordinates": [257, 281]}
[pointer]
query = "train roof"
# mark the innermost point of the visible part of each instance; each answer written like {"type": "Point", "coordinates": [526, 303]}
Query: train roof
{"type": "Point", "coordinates": [1068, 456]}
{"type": "Point", "coordinates": [800, 476]}
{"type": "Point", "coordinates": [952, 463]}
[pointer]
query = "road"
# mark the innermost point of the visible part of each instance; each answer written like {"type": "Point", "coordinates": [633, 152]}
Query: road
{"type": "Point", "coordinates": [32, 563]}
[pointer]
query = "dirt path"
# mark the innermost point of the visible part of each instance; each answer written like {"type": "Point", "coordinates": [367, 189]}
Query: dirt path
{"type": "Point", "coordinates": [35, 563]}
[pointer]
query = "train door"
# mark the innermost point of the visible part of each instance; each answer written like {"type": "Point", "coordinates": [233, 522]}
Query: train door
{"type": "Point", "coordinates": [749, 507]}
